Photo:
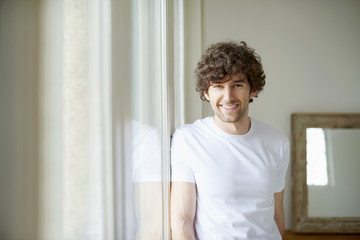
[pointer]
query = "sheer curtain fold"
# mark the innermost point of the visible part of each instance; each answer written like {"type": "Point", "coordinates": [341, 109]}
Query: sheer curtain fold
{"type": "Point", "coordinates": [81, 66]}
{"type": "Point", "coordinates": [121, 62]}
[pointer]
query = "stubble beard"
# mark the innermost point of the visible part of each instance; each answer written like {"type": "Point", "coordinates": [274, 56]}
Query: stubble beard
{"type": "Point", "coordinates": [232, 117]}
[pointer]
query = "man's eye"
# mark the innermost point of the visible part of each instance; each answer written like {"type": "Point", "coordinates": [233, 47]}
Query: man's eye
{"type": "Point", "coordinates": [239, 85]}
{"type": "Point", "coordinates": [217, 86]}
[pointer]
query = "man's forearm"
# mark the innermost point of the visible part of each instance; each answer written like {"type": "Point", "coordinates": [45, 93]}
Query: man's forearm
{"type": "Point", "coordinates": [183, 208]}
{"type": "Point", "coordinates": [184, 231]}
{"type": "Point", "coordinates": [280, 222]}
{"type": "Point", "coordinates": [279, 212]}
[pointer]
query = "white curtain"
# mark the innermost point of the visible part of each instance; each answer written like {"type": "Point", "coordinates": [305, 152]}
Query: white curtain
{"type": "Point", "coordinates": [87, 90]}
{"type": "Point", "coordinates": [65, 137]}
{"type": "Point", "coordinates": [89, 63]}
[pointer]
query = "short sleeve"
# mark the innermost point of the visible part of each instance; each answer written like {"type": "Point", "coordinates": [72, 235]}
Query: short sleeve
{"type": "Point", "coordinates": [282, 167]}
{"type": "Point", "coordinates": [180, 169]}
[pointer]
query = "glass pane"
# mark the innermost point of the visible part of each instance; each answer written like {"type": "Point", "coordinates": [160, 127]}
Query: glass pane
{"type": "Point", "coordinates": [343, 163]}
{"type": "Point", "coordinates": [316, 169]}
{"type": "Point", "coordinates": [148, 119]}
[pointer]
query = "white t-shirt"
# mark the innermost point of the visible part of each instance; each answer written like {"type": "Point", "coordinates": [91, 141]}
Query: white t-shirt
{"type": "Point", "coordinates": [236, 177]}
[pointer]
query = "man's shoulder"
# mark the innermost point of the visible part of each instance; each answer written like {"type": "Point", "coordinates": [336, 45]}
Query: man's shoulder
{"type": "Point", "coordinates": [265, 129]}
{"type": "Point", "coordinates": [191, 128]}
{"type": "Point", "coordinates": [187, 135]}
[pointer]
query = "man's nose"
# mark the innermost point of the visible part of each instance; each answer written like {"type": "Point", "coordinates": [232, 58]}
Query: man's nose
{"type": "Point", "coordinates": [228, 94]}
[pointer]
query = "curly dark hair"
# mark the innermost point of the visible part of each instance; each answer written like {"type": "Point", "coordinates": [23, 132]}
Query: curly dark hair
{"type": "Point", "coordinates": [229, 58]}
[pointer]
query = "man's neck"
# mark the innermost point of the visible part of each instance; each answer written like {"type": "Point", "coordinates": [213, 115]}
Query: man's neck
{"type": "Point", "coordinates": [240, 127]}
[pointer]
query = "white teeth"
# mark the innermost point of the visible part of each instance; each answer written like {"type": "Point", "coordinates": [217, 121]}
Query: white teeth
{"type": "Point", "coordinates": [229, 107]}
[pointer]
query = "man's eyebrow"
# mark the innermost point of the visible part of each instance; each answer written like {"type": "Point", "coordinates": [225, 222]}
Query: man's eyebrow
{"type": "Point", "coordinates": [215, 83]}
{"type": "Point", "coordinates": [240, 80]}
{"type": "Point", "coordinates": [243, 80]}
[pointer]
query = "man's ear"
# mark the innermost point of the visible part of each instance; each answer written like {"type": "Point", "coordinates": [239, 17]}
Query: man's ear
{"type": "Point", "coordinates": [206, 95]}
{"type": "Point", "coordinates": [253, 93]}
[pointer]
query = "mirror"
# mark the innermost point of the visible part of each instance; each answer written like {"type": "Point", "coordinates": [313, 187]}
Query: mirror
{"type": "Point", "coordinates": [325, 168]}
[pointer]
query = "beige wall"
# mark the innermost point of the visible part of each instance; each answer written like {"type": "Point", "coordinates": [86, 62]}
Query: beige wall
{"type": "Point", "coordinates": [310, 52]}
{"type": "Point", "coordinates": [19, 119]}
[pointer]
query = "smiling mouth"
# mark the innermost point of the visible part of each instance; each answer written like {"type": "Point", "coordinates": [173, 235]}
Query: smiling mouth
{"type": "Point", "coordinates": [230, 106]}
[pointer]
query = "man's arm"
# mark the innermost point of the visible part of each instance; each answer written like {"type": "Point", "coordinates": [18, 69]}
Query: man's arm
{"type": "Point", "coordinates": [183, 208]}
{"type": "Point", "coordinates": [279, 212]}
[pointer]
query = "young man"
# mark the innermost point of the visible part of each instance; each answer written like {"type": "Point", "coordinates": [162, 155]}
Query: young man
{"type": "Point", "coordinates": [228, 171]}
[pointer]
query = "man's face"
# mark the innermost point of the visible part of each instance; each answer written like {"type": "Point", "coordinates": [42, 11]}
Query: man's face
{"type": "Point", "coordinates": [230, 100]}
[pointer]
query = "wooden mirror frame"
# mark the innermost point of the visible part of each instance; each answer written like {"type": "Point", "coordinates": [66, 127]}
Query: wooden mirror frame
{"type": "Point", "coordinates": [301, 222]}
